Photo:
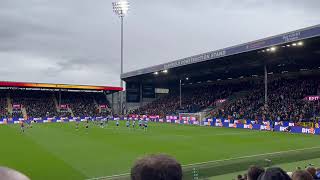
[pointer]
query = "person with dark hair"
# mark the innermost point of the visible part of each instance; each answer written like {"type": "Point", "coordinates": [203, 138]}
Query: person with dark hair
{"type": "Point", "coordinates": [239, 177]}
{"type": "Point", "coordinates": [301, 175]}
{"type": "Point", "coordinates": [254, 172]}
{"type": "Point", "coordinates": [156, 167]}
{"type": "Point", "coordinates": [274, 173]}
{"type": "Point", "coordinates": [312, 171]}
{"type": "Point", "coordinates": [245, 176]}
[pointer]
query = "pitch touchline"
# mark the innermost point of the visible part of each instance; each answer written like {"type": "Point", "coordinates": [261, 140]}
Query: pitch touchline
{"type": "Point", "coordinates": [228, 159]}
{"type": "Point", "coordinates": [249, 156]}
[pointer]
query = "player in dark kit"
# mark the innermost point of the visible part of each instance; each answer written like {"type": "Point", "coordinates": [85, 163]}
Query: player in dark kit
{"type": "Point", "coordinates": [102, 123]}
{"type": "Point", "coordinates": [107, 121]}
{"type": "Point", "coordinates": [145, 125]}
{"type": "Point", "coordinates": [87, 125]}
{"type": "Point", "coordinates": [140, 123]}
{"type": "Point", "coordinates": [117, 123]}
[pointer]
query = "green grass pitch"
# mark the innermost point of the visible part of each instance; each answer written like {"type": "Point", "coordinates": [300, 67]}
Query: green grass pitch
{"type": "Point", "coordinates": [58, 151]}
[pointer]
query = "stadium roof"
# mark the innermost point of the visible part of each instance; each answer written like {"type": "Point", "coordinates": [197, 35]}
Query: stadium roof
{"type": "Point", "coordinates": [293, 51]}
{"type": "Point", "coordinates": [57, 86]}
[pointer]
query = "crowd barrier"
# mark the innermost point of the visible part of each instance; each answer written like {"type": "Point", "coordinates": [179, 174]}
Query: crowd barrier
{"type": "Point", "coordinates": [284, 126]}
{"type": "Point", "coordinates": [214, 122]}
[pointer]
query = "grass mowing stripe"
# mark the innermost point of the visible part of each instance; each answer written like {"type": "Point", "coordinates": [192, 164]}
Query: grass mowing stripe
{"type": "Point", "coordinates": [105, 152]}
{"type": "Point", "coordinates": [194, 165]}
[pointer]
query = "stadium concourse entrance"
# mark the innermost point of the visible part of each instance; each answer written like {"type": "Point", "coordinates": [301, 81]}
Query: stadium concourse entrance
{"type": "Point", "coordinates": [290, 55]}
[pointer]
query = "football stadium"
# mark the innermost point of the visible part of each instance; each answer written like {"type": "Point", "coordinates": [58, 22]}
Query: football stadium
{"type": "Point", "coordinates": [217, 114]}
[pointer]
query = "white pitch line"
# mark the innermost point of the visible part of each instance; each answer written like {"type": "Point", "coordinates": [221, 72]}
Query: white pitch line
{"type": "Point", "coordinates": [249, 156]}
{"type": "Point", "coordinates": [215, 161]}
{"type": "Point", "coordinates": [218, 134]}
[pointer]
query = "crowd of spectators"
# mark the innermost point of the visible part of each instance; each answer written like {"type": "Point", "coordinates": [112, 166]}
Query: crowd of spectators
{"type": "Point", "coordinates": [42, 103]}
{"type": "Point", "coordinates": [285, 100]}
{"type": "Point", "coordinates": [3, 105]}
{"type": "Point", "coordinates": [276, 173]}
{"type": "Point", "coordinates": [193, 99]}
{"type": "Point", "coordinates": [84, 103]}
{"type": "Point", "coordinates": [36, 103]}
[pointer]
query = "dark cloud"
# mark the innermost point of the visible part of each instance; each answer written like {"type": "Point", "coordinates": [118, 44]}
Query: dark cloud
{"type": "Point", "coordinates": [77, 41]}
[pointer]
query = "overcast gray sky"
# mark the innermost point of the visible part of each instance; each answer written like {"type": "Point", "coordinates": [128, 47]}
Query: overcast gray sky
{"type": "Point", "coordinates": [77, 41]}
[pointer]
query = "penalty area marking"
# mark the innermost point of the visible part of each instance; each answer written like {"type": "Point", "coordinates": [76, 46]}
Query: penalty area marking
{"type": "Point", "coordinates": [215, 161]}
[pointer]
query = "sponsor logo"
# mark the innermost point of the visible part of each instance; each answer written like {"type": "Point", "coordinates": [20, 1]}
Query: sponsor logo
{"type": "Point", "coordinates": [263, 127]}
{"type": "Point", "coordinates": [283, 128]}
{"type": "Point", "coordinates": [291, 37]}
{"type": "Point", "coordinates": [308, 131]}
{"type": "Point", "coordinates": [247, 126]}
{"type": "Point", "coordinates": [195, 59]}
{"type": "Point", "coordinates": [256, 45]}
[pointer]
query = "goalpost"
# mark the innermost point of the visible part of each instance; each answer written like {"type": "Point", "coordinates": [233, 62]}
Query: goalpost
{"type": "Point", "coordinates": [196, 117]}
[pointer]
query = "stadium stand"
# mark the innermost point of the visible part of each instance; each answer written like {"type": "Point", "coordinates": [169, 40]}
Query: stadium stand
{"type": "Point", "coordinates": [3, 105]}
{"type": "Point", "coordinates": [84, 104]}
{"type": "Point", "coordinates": [285, 100]}
{"type": "Point", "coordinates": [194, 99]}
{"type": "Point", "coordinates": [36, 103]}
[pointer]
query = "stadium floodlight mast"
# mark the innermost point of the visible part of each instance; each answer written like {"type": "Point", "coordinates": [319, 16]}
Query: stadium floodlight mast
{"type": "Point", "coordinates": [121, 9]}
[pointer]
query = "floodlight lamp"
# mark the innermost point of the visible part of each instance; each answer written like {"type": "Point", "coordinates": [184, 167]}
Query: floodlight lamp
{"type": "Point", "coordinates": [273, 49]}
{"type": "Point", "coordinates": [294, 44]}
{"type": "Point", "coordinates": [121, 7]}
{"type": "Point", "coordinates": [155, 73]}
{"type": "Point", "coordinates": [165, 71]}
{"type": "Point", "coordinates": [300, 43]}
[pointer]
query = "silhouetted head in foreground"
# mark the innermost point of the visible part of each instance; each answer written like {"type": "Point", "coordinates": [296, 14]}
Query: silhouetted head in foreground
{"type": "Point", "coordinates": [10, 174]}
{"type": "Point", "coordinates": [301, 175]}
{"type": "Point", "coordinates": [156, 167]}
{"type": "Point", "coordinates": [254, 172]}
{"type": "Point", "coordinates": [274, 173]}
